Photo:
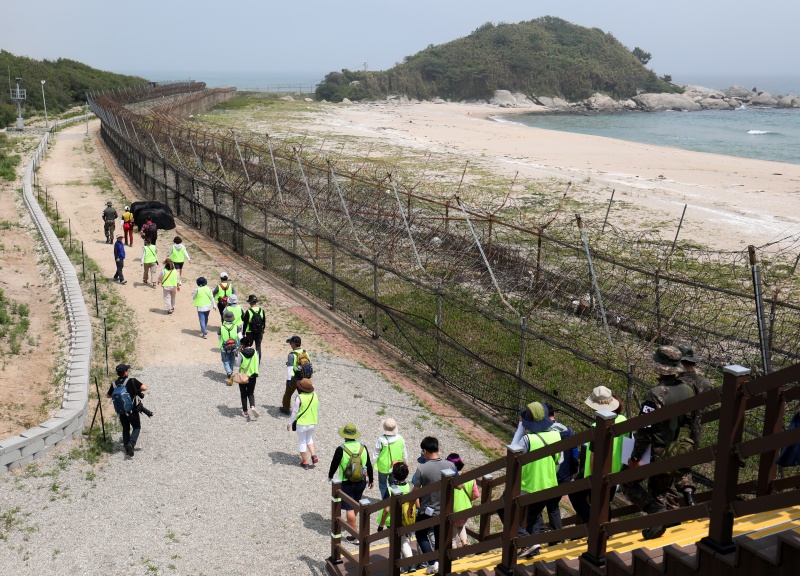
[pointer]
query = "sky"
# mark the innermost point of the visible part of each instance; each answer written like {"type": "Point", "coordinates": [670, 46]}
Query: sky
{"type": "Point", "coordinates": [174, 39]}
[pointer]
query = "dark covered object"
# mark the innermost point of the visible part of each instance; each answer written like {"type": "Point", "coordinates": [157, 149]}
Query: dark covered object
{"type": "Point", "coordinates": [160, 213]}
{"type": "Point", "coordinates": [790, 455]}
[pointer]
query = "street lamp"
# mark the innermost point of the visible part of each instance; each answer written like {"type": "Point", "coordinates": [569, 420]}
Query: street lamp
{"type": "Point", "coordinates": [46, 122]}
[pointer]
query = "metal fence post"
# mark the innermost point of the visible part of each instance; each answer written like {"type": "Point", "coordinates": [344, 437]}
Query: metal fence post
{"type": "Point", "coordinates": [294, 253]}
{"type": "Point", "coordinates": [375, 296]}
{"type": "Point", "coordinates": [333, 276]}
{"type": "Point", "coordinates": [438, 322]}
{"type": "Point", "coordinates": [766, 360]}
{"type": "Point", "coordinates": [521, 361]}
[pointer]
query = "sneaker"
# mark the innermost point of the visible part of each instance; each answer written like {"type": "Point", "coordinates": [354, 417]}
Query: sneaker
{"type": "Point", "coordinates": [129, 450]}
{"type": "Point", "coordinates": [433, 568]}
{"type": "Point", "coordinates": [245, 414]}
{"type": "Point", "coordinates": [169, 311]}
{"type": "Point", "coordinates": [350, 538]}
{"type": "Point", "coordinates": [314, 459]}
{"type": "Point", "coordinates": [254, 413]}
{"type": "Point", "coordinates": [305, 467]}
{"type": "Point", "coordinates": [654, 532]}
{"type": "Point", "coordinates": [205, 336]}
{"type": "Point", "coordinates": [529, 552]}
{"type": "Point", "coordinates": [229, 375]}
{"type": "Point", "coordinates": [123, 281]}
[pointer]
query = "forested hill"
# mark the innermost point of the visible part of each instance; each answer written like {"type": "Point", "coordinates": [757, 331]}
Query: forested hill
{"type": "Point", "coordinates": [67, 82]}
{"type": "Point", "coordinates": [543, 57]}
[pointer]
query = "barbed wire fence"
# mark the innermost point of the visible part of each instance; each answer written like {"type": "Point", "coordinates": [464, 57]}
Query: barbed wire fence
{"type": "Point", "coordinates": [504, 304]}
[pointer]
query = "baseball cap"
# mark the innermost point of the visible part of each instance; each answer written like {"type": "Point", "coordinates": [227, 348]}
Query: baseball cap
{"type": "Point", "coordinates": [294, 340]}
{"type": "Point", "coordinates": [122, 368]}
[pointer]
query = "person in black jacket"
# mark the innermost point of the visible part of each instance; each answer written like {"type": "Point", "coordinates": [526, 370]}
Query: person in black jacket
{"type": "Point", "coordinates": [136, 389]}
{"type": "Point", "coordinates": [119, 259]}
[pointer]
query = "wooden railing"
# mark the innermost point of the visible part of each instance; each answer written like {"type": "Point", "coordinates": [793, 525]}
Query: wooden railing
{"type": "Point", "coordinates": [721, 504]}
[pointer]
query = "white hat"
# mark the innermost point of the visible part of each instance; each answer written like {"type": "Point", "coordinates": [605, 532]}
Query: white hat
{"type": "Point", "coordinates": [602, 398]}
{"type": "Point", "coordinates": [223, 275]}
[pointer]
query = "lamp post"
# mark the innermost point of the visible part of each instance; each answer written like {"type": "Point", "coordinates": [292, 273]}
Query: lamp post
{"type": "Point", "coordinates": [46, 122]}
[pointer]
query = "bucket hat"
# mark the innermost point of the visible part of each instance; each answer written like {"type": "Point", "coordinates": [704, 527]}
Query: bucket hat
{"type": "Point", "coordinates": [535, 417]}
{"type": "Point", "coordinates": [667, 361]}
{"type": "Point", "coordinates": [389, 426]}
{"type": "Point", "coordinates": [349, 432]}
{"type": "Point", "coordinates": [305, 386]}
{"type": "Point", "coordinates": [602, 398]}
{"type": "Point", "coordinates": [688, 355]}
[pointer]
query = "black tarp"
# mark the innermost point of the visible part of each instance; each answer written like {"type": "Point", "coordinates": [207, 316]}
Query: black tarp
{"type": "Point", "coordinates": [160, 213]}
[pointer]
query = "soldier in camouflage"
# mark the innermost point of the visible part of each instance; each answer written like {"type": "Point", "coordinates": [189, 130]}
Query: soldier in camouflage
{"type": "Point", "coordinates": [662, 489]}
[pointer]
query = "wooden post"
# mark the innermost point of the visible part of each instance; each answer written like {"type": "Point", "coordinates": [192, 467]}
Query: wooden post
{"type": "Point", "coordinates": [395, 511]}
{"type": "Point", "coordinates": [445, 524]}
{"type": "Point", "coordinates": [511, 511]}
{"type": "Point", "coordinates": [773, 424]}
{"type": "Point", "coordinates": [363, 532]}
{"type": "Point", "coordinates": [336, 519]}
{"type": "Point", "coordinates": [485, 525]}
{"type": "Point", "coordinates": [726, 468]}
{"type": "Point", "coordinates": [601, 490]}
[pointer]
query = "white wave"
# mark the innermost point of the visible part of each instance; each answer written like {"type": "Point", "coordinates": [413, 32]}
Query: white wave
{"type": "Point", "coordinates": [506, 120]}
{"type": "Point", "coordinates": [760, 132]}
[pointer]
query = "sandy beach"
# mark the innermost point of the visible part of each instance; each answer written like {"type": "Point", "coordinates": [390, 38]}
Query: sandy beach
{"type": "Point", "coordinates": [732, 202]}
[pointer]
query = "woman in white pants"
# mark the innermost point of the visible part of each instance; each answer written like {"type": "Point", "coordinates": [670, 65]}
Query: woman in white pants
{"type": "Point", "coordinates": [304, 420]}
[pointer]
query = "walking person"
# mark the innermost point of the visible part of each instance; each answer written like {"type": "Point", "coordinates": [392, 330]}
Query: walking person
{"type": "Point", "coordinates": [238, 313]}
{"type": "Point", "coordinates": [400, 476]}
{"type": "Point", "coordinates": [150, 229]}
{"type": "Point", "coordinates": [169, 284]}
{"type": "Point", "coordinates": [390, 449]}
{"type": "Point", "coordinates": [128, 408]}
{"type": "Point", "coordinates": [149, 261]}
{"type": "Point", "coordinates": [247, 363]}
{"type": "Point", "coordinates": [427, 473]}
{"type": "Point", "coordinates": [222, 292]}
{"type": "Point", "coordinates": [304, 419]}
{"type": "Point", "coordinates": [253, 323]}
{"type": "Point", "coordinates": [228, 343]}
{"type": "Point", "coordinates": [463, 495]}
{"type": "Point", "coordinates": [109, 222]}
{"type": "Point", "coordinates": [202, 300]}
{"type": "Point", "coordinates": [179, 254]}
{"type": "Point", "coordinates": [353, 478]}
{"type": "Point", "coordinates": [127, 225]}
{"type": "Point", "coordinates": [119, 260]}
{"type": "Point", "coordinates": [293, 373]}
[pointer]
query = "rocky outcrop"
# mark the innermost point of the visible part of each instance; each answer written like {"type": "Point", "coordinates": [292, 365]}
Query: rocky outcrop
{"type": "Point", "coordinates": [602, 103]}
{"type": "Point", "coordinates": [702, 92]}
{"type": "Point", "coordinates": [504, 99]}
{"type": "Point", "coordinates": [786, 101]}
{"type": "Point", "coordinates": [661, 102]}
{"type": "Point", "coordinates": [558, 104]}
{"type": "Point", "coordinates": [763, 99]}
{"type": "Point", "coordinates": [737, 92]}
{"type": "Point", "coordinates": [717, 104]}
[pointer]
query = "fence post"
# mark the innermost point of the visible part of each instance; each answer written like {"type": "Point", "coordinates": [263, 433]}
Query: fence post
{"type": "Point", "coordinates": [336, 518]}
{"type": "Point", "coordinates": [485, 525]}
{"type": "Point", "coordinates": [395, 511]}
{"type": "Point", "coordinates": [601, 490]}
{"type": "Point", "coordinates": [658, 304]}
{"type": "Point", "coordinates": [773, 424]}
{"type": "Point", "coordinates": [375, 296]}
{"type": "Point", "coordinates": [333, 276]}
{"type": "Point", "coordinates": [438, 322]}
{"type": "Point", "coordinates": [593, 278]}
{"type": "Point", "coordinates": [521, 361]}
{"type": "Point", "coordinates": [265, 263]}
{"type": "Point", "coordinates": [445, 524]}
{"type": "Point", "coordinates": [511, 511]}
{"type": "Point", "coordinates": [294, 253]}
{"type": "Point", "coordinates": [726, 467]}
{"type": "Point", "coordinates": [363, 532]}
{"type": "Point", "coordinates": [766, 361]}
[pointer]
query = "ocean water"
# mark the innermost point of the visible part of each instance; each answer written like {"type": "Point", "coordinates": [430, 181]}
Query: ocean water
{"type": "Point", "coordinates": [765, 134]}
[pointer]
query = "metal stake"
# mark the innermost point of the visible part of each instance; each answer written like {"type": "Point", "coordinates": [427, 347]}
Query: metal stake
{"type": "Point", "coordinates": [603, 229]}
{"type": "Point", "coordinates": [96, 300]}
{"type": "Point", "coordinates": [762, 329]}
{"type": "Point", "coordinates": [594, 278]}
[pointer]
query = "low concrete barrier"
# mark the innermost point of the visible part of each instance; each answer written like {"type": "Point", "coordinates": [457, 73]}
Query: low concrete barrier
{"type": "Point", "coordinates": [69, 421]}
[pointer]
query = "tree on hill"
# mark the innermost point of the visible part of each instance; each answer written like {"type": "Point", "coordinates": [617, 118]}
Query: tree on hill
{"type": "Point", "coordinates": [644, 57]}
{"type": "Point", "coordinates": [67, 83]}
{"type": "Point", "coordinates": [545, 57]}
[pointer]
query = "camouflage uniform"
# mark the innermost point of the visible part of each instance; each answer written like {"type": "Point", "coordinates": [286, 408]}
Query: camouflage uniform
{"type": "Point", "coordinates": [664, 490]}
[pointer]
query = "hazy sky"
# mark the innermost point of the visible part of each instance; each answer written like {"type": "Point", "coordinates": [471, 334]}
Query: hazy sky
{"type": "Point", "coordinates": [697, 37]}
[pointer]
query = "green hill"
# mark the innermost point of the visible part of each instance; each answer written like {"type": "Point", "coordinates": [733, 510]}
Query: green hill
{"type": "Point", "coordinates": [544, 57]}
{"type": "Point", "coordinates": [67, 82]}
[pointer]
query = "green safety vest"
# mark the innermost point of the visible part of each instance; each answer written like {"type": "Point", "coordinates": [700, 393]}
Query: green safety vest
{"type": "Point", "coordinates": [170, 278]}
{"type": "Point", "coordinates": [177, 256]}
{"type": "Point", "coordinates": [150, 255]}
{"type": "Point", "coordinates": [405, 488]}
{"type": "Point", "coordinates": [462, 496]}
{"type": "Point", "coordinates": [354, 446]}
{"type": "Point", "coordinates": [228, 332]}
{"type": "Point", "coordinates": [540, 474]}
{"type": "Point", "coordinates": [308, 412]}
{"type": "Point", "coordinates": [237, 313]}
{"type": "Point", "coordinates": [389, 455]}
{"type": "Point", "coordinates": [203, 297]}
{"type": "Point", "coordinates": [249, 366]}
{"type": "Point", "coordinates": [616, 456]}
{"type": "Point", "coordinates": [256, 311]}
{"type": "Point", "coordinates": [222, 292]}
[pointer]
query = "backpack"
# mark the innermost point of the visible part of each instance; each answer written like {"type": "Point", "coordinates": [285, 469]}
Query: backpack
{"type": "Point", "coordinates": [408, 513]}
{"type": "Point", "coordinates": [224, 299]}
{"type": "Point", "coordinates": [229, 345]}
{"type": "Point", "coordinates": [303, 367]}
{"type": "Point", "coordinates": [123, 403]}
{"type": "Point", "coordinates": [256, 323]}
{"type": "Point", "coordinates": [354, 471]}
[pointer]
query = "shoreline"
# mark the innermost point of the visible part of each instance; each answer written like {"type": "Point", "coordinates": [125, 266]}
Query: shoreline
{"type": "Point", "coordinates": [732, 201]}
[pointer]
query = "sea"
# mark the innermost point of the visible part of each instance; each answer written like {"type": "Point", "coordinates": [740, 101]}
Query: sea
{"type": "Point", "coordinates": [761, 133]}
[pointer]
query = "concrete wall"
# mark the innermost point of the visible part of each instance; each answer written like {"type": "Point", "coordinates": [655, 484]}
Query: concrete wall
{"type": "Point", "coordinates": [69, 421]}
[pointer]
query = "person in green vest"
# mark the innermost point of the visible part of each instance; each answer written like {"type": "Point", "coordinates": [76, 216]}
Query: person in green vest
{"type": "Point", "coordinates": [601, 398]}
{"type": "Point", "coordinates": [169, 285]}
{"type": "Point", "coordinates": [253, 322]}
{"type": "Point", "coordinates": [222, 292]}
{"type": "Point", "coordinates": [238, 313]}
{"type": "Point", "coordinates": [179, 254]}
{"type": "Point", "coordinates": [340, 465]}
{"type": "Point", "coordinates": [399, 476]}
{"type": "Point", "coordinates": [292, 371]}
{"type": "Point", "coordinates": [247, 363]}
{"type": "Point", "coordinates": [463, 495]}
{"type": "Point", "coordinates": [304, 413]}
{"type": "Point", "coordinates": [228, 343]}
{"type": "Point", "coordinates": [390, 448]}
{"type": "Point", "coordinates": [149, 262]}
{"type": "Point", "coordinates": [202, 300]}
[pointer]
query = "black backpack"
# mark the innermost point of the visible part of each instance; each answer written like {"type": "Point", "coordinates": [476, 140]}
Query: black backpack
{"type": "Point", "coordinates": [256, 322]}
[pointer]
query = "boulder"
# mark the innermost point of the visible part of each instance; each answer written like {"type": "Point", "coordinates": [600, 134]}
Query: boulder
{"type": "Point", "coordinates": [522, 100]}
{"type": "Point", "coordinates": [601, 103]}
{"type": "Point", "coordinates": [552, 103]}
{"type": "Point", "coordinates": [693, 91]}
{"type": "Point", "coordinates": [346, 101]}
{"type": "Point", "coordinates": [737, 92]}
{"type": "Point", "coordinates": [763, 99]}
{"type": "Point", "coordinates": [716, 104]}
{"type": "Point", "coordinates": [629, 104]}
{"type": "Point", "coordinates": [661, 102]}
{"type": "Point", "coordinates": [786, 101]}
{"type": "Point", "coordinates": [504, 99]}
{"type": "Point", "coordinates": [439, 101]}
{"type": "Point", "coordinates": [796, 103]}
{"type": "Point", "coordinates": [308, 99]}
{"type": "Point", "coordinates": [287, 98]}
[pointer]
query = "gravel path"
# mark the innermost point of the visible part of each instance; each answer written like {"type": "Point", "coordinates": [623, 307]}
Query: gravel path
{"type": "Point", "coordinates": [207, 492]}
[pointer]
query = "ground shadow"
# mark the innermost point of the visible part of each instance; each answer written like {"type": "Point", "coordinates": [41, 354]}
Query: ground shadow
{"type": "Point", "coordinates": [316, 522]}
{"type": "Point", "coordinates": [285, 459]}
{"type": "Point", "coordinates": [229, 412]}
{"type": "Point", "coordinates": [191, 332]}
{"type": "Point", "coordinates": [161, 310]}
{"type": "Point", "coordinates": [275, 412]}
{"type": "Point", "coordinates": [316, 567]}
